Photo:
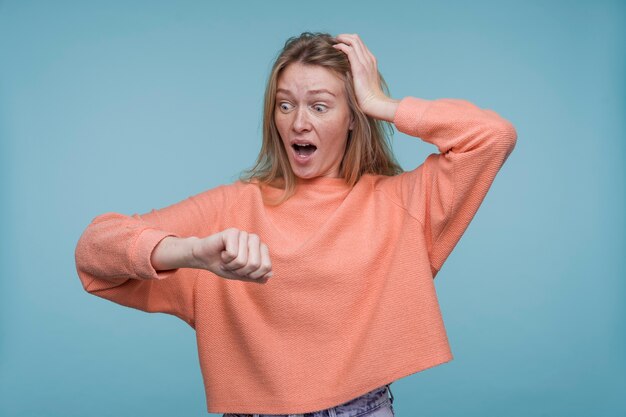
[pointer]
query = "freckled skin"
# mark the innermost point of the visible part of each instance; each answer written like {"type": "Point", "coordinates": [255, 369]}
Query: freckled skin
{"type": "Point", "coordinates": [320, 118]}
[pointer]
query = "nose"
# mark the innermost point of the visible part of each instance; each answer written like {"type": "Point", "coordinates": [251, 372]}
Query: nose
{"type": "Point", "coordinates": [301, 120]}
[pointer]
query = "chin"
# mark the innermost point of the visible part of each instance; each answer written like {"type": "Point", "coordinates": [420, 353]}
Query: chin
{"type": "Point", "coordinates": [303, 176]}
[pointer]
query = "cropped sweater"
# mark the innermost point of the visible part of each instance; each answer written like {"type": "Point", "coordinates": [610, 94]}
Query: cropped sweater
{"type": "Point", "coordinates": [351, 305]}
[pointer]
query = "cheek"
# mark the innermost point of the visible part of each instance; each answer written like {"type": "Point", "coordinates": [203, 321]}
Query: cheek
{"type": "Point", "coordinates": [280, 126]}
{"type": "Point", "coordinates": [277, 122]}
{"type": "Point", "coordinates": [336, 132]}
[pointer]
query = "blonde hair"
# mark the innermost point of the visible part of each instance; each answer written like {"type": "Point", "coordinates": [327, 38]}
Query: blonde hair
{"type": "Point", "coordinates": [368, 149]}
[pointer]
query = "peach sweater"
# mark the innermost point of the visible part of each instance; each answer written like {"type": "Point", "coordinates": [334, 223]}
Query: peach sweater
{"type": "Point", "coordinates": [351, 305]}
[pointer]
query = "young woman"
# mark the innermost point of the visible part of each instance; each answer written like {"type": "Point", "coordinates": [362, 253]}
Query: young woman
{"type": "Point", "coordinates": [309, 281]}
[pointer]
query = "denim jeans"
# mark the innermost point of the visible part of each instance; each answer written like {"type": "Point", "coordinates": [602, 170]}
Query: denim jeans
{"type": "Point", "coordinates": [375, 403]}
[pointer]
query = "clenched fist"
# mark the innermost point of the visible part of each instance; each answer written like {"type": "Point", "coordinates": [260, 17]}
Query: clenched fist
{"type": "Point", "coordinates": [232, 253]}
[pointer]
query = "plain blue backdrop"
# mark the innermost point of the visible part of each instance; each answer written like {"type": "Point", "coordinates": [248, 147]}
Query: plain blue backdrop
{"type": "Point", "coordinates": [129, 106]}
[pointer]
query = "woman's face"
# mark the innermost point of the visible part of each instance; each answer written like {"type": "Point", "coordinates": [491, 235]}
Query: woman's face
{"type": "Point", "coordinates": [312, 108]}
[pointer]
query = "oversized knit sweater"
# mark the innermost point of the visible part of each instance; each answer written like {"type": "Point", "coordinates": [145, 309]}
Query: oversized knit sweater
{"type": "Point", "coordinates": [351, 305]}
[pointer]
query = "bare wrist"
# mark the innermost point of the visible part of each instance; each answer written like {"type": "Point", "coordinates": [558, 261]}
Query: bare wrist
{"type": "Point", "coordinates": [172, 253]}
{"type": "Point", "coordinates": [385, 109]}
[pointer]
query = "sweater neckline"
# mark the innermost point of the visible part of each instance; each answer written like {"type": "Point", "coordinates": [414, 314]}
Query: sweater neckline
{"type": "Point", "coordinates": [332, 182]}
{"type": "Point", "coordinates": [326, 183]}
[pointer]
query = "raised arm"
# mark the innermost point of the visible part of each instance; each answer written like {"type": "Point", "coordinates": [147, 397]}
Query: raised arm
{"type": "Point", "coordinates": [445, 192]}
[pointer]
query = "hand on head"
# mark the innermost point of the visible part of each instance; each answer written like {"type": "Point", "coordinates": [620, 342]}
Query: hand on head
{"type": "Point", "coordinates": [366, 78]}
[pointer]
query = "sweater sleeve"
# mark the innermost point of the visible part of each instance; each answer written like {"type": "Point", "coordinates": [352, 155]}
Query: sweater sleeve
{"type": "Point", "coordinates": [113, 254]}
{"type": "Point", "coordinates": [446, 190]}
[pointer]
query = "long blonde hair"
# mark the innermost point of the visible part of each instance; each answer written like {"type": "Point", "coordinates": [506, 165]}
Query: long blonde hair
{"type": "Point", "coordinates": [368, 149]}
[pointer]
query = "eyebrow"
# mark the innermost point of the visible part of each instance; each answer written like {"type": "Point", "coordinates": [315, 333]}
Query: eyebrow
{"type": "Point", "coordinates": [310, 92]}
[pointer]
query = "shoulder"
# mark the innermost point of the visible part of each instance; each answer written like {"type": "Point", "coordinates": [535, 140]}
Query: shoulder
{"type": "Point", "coordinates": [388, 182]}
{"type": "Point", "coordinates": [220, 195]}
{"type": "Point", "coordinates": [402, 186]}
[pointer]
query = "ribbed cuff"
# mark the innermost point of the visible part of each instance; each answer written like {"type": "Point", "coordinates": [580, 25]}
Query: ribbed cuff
{"type": "Point", "coordinates": [141, 253]}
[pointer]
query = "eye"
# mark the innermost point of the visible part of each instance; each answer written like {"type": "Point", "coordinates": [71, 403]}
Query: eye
{"type": "Point", "coordinates": [320, 108]}
{"type": "Point", "coordinates": [284, 106]}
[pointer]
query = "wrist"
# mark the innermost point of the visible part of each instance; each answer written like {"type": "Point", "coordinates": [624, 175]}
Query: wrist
{"type": "Point", "coordinates": [384, 109]}
{"type": "Point", "coordinates": [173, 253]}
{"type": "Point", "coordinates": [189, 256]}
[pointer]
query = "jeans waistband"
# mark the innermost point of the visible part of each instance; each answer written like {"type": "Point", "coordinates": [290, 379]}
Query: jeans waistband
{"type": "Point", "coordinates": [363, 404]}
{"type": "Point", "coordinates": [353, 408]}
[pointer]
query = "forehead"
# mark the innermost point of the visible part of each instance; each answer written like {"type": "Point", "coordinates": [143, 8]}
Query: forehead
{"type": "Point", "coordinates": [300, 79]}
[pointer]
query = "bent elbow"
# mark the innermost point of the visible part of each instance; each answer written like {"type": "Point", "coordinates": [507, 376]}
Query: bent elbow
{"type": "Point", "coordinates": [504, 137]}
{"type": "Point", "coordinates": [508, 133]}
{"type": "Point", "coordinates": [508, 137]}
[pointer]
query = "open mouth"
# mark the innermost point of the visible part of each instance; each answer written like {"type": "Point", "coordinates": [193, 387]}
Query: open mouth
{"type": "Point", "coordinates": [304, 150]}
{"type": "Point", "coordinates": [303, 153]}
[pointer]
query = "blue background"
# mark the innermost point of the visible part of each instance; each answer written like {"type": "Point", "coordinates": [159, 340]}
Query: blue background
{"type": "Point", "coordinates": [110, 106]}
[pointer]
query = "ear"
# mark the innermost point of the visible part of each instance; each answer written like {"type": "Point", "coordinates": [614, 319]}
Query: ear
{"type": "Point", "coordinates": [351, 126]}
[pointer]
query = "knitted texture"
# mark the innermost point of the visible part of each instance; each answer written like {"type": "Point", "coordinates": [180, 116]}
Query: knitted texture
{"type": "Point", "coordinates": [351, 305]}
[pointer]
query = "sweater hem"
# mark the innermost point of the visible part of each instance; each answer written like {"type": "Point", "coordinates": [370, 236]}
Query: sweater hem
{"type": "Point", "coordinates": [317, 405]}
